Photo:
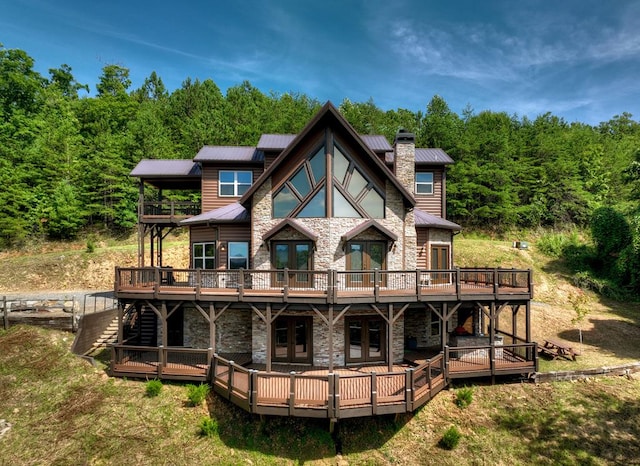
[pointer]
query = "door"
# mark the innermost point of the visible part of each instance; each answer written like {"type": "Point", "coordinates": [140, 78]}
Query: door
{"type": "Point", "coordinates": [175, 328]}
{"type": "Point", "coordinates": [292, 340]}
{"type": "Point", "coordinates": [365, 255]}
{"type": "Point", "coordinates": [440, 261]}
{"type": "Point", "coordinates": [294, 256]}
{"type": "Point", "coordinates": [365, 339]}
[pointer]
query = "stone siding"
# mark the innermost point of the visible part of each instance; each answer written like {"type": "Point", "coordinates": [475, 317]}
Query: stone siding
{"type": "Point", "coordinates": [233, 331]}
{"type": "Point", "coordinates": [196, 329]}
{"type": "Point", "coordinates": [417, 324]}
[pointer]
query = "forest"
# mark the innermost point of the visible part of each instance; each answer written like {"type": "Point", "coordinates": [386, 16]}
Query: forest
{"type": "Point", "coordinates": [66, 153]}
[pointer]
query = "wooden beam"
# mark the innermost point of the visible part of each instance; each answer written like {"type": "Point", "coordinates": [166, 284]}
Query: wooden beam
{"type": "Point", "coordinates": [330, 337]}
{"type": "Point", "coordinates": [268, 323]}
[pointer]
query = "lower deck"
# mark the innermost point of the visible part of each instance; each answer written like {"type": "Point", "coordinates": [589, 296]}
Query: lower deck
{"type": "Point", "coordinates": [310, 391]}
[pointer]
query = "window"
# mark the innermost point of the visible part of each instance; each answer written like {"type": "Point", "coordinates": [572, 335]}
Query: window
{"type": "Point", "coordinates": [238, 255]}
{"type": "Point", "coordinates": [204, 255]}
{"type": "Point", "coordinates": [234, 183]}
{"type": "Point", "coordinates": [424, 183]}
{"type": "Point", "coordinates": [294, 255]}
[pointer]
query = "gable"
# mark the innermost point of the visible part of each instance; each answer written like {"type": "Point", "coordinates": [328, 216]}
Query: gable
{"type": "Point", "coordinates": [326, 129]}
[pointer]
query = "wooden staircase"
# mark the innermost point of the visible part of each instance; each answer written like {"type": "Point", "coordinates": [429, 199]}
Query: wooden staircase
{"type": "Point", "coordinates": [107, 337]}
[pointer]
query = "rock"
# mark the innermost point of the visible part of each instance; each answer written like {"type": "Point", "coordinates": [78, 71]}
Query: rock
{"type": "Point", "coordinates": [4, 427]}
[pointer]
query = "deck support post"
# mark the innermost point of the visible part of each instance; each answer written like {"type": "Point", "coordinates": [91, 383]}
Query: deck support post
{"type": "Point", "coordinates": [160, 360]}
{"type": "Point", "coordinates": [212, 326]}
{"type": "Point", "coordinates": [332, 425]}
{"type": "Point", "coordinates": [374, 394]}
{"type": "Point", "coordinates": [408, 383]}
{"type": "Point", "coordinates": [253, 390]}
{"type": "Point", "coordinates": [330, 338]}
{"type": "Point", "coordinates": [292, 392]}
{"type": "Point", "coordinates": [163, 317]}
{"type": "Point", "coordinates": [331, 401]}
{"type": "Point", "coordinates": [390, 339]}
{"type": "Point", "coordinates": [268, 324]}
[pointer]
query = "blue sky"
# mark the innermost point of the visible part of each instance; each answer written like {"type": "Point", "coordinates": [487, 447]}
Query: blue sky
{"type": "Point", "coordinates": [578, 59]}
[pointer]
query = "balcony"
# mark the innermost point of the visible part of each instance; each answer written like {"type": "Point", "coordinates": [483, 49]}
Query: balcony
{"type": "Point", "coordinates": [167, 212]}
{"type": "Point", "coordinates": [328, 287]}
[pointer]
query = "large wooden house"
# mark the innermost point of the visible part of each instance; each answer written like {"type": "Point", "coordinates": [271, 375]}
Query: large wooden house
{"type": "Point", "coordinates": [321, 279]}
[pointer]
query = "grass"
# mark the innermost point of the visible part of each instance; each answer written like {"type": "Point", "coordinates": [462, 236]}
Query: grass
{"type": "Point", "coordinates": [64, 411]}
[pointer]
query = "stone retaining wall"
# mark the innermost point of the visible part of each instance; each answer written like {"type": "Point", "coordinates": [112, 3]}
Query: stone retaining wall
{"type": "Point", "coordinates": [558, 376]}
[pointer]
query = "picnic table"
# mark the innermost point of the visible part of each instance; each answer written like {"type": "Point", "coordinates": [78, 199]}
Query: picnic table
{"type": "Point", "coordinates": [559, 349]}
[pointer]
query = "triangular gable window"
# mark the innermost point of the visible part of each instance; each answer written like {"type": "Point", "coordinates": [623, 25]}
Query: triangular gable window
{"type": "Point", "coordinates": [304, 194]}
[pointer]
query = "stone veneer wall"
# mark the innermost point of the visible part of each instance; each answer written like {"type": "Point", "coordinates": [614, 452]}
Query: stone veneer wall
{"type": "Point", "coordinates": [321, 339]}
{"type": "Point", "coordinates": [196, 329]}
{"type": "Point", "coordinates": [233, 331]}
{"type": "Point", "coordinates": [329, 253]}
{"type": "Point", "coordinates": [417, 324]}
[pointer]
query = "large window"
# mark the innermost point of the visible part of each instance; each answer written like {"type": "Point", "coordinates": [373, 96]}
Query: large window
{"type": "Point", "coordinates": [424, 183]}
{"type": "Point", "coordinates": [238, 255]}
{"type": "Point", "coordinates": [204, 255]}
{"type": "Point", "coordinates": [234, 183]}
{"type": "Point", "coordinates": [365, 256]}
{"type": "Point", "coordinates": [304, 194]}
{"type": "Point", "coordinates": [293, 255]}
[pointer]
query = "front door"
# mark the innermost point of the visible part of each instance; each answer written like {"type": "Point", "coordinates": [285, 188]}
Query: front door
{"type": "Point", "coordinates": [365, 255]}
{"type": "Point", "coordinates": [292, 339]}
{"type": "Point", "coordinates": [293, 255]}
{"type": "Point", "coordinates": [365, 339]}
{"type": "Point", "coordinates": [175, 328]}
{"type": "Point", "coordinates": [440, 261]}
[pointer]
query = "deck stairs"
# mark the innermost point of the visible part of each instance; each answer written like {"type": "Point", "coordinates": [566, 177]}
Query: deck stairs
{"type": "Point", "coordinates": [107, 337]}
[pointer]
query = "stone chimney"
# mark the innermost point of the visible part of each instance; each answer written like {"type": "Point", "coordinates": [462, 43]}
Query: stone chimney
{"type": "Point", "coordinates": [404, 160]}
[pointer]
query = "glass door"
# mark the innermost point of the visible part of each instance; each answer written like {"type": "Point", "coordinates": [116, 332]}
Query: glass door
{"type": "Point", "coordinates": [440, 261]}
{"type": "Point", "coordinates": [365, 255]}
{"type": "Point", "coordinates": [366, 338]}
{"type": "Point", "coordinates": [294, 256]}
{"type": "Point", "coordinates": [292, 339]}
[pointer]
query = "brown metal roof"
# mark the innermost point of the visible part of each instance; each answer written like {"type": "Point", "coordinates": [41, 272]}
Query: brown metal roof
{"type": "Point", "coordinates": [348, 236]}
{"type": "Point", "coordinates": [376, 142]}
{"type": "Point", "coordinates": [232, 213]}
{"type": "Point", "coordinates": [229, 154]}
{"type": "Point", "coordinates": [275, 141]}
{"type": "Point", "coordinates": [157, 168]}
{"type": "Point", "coordinates": [288, 222]}
{"type": "Point", "coordinates": [425, 219]}
{"type": "Point", "coordinates": [432, 156]}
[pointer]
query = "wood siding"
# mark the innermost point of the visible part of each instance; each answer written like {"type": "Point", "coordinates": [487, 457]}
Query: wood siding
{"type": "Point", "coordinates": [431, 203]}
{"type": "Point", "coordinates": [422, 248]}
{"type": "Point", "coordinates": [210, 198]}
{"type": "Point", "coordinates": [221, 234]}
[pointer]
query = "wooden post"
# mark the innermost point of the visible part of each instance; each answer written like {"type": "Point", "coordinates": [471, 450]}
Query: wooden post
{"type": "Point", "coordinates": [330, 338]}
{"type": "Point", "coordinates": [74, 327]}
{"type": "Point", "coordinates": [376, 284]}
{"type": "Point", "coordinates": [408, 384]}
{"type": "Point", "coordinates": [268, 325]}
{"type": "Point", "coordinates": [292, 392]}
{"type": "Point", "coordinates": [374, 394]}
{"type": "Point", "coordinates": [331, 401]}
{"type": "Point", "coordinates": [390, 339]}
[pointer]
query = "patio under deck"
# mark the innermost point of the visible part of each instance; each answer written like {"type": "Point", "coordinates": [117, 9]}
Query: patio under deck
{"type": "Point", "coordinates": [306, 391]}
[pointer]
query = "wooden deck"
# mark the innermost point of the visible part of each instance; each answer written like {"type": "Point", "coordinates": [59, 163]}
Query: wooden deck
{"type": "Point", "coordinates": [337, 287]}
{"type": "Point", "coordinates": [294, 390]}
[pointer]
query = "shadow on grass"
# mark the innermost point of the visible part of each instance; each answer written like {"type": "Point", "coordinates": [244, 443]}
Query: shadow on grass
{"type": "Point", "coordinates": [300, 439]}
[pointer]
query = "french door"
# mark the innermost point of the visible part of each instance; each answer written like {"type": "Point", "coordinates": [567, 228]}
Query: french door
{"type": "Point", "coordinates": [365, 339]}
{"type": "Point", "coordinates": [292, 339]}
{"type": "Point", "coordinates": [440, 261]}
{"type": "Point", "coordinates": [293, 255]}
{"type": "Point", "coordinates": [365, 255]}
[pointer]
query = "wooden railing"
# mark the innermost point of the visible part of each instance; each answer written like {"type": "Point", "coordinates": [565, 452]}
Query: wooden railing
{"type": "Point", "coordinates": [170, 209]}
{"type": "Point", "coordinates": [473, 361]}
{"type": "Point", "coordinates": [329, 286]}
{"type": "Point", "coordinates": [332, 395]}
{"type": "Point", "coordinates": [161, 362]}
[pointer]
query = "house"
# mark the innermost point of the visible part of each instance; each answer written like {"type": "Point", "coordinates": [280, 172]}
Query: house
{"type": "Point", "coordinates": [321, 282]}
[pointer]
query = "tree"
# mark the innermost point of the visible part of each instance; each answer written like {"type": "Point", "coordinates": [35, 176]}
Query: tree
{"type": "Point", "coordinates": [114, 81]}
{"type": "Point", "coordinates": [63, 80]}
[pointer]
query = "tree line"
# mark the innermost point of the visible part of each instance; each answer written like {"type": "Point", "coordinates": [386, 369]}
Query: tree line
{"type": "Point", "coordinates": [65, 156]}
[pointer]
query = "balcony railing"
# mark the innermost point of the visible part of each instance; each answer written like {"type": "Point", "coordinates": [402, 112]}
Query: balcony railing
{"type": "Point", "coordinates": [169, 209]}
{"type": "Point", "coordinates": [328, 286]}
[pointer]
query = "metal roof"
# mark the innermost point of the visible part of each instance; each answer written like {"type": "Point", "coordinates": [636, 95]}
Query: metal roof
{"type": "Point", "coordinates": [275, 141]}
{"type": "Point", "coordinates": [376, 142]}
{"type": "Point", "coordinates": [157, 168]}
{"type": "Point", "coordinates": [299, 227]}
{"type": "Point", "coordinates": [432, 156]}
{"type": "Point", "coordinates": [424, 219]}
{"type": "Point", "coordinates": [232, 213]}
{"type": "Point", "coordinates": [229, 154]}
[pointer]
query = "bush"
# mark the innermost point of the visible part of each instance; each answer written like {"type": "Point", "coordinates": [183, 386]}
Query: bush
{"type": "Point", "coordinates": [451, 438]}
{"type": "Point", "coordinates": [153, 387]}
{"type": "Point", "coordinates": [197, 393]}
{"type": "Point", "coordinates": [208, 427]}
{"type": "Point", "coordinates": [464, 397]}
{"type": "Point", "coordinates": [554, 244]}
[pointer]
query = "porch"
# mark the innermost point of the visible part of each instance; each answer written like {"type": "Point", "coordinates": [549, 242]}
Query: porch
{"type": "Point", "coordinates": [329, 286]}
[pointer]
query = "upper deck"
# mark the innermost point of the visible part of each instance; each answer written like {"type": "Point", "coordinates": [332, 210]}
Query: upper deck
{"type": "Point", "coordinates": [324, 287]}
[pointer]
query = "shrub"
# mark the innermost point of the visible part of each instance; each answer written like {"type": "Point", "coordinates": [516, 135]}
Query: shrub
{"type": "Point", "coordinates": [554, 244]}
{"type": "Point", "coordinates": [153, 387]}
{"type": "Point", "coordinates": [91, 245]}
{"type": "Point", "coordinates": [197, 393]}
{"type": "Point", "coordinates": [464, 397]}
{"type": "Point", "coordinates": [451, 438]}
{"type": "Point", "coordinates": [208, 427]}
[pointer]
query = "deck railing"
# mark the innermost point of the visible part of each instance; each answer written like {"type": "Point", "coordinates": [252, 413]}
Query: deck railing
{"type": "Point", "coordinates": [170, 209]}
{"type": "Point", "coordinates": [331, 395]}
{"type": "Point", "coordinates": [470, 361]}
{"type": "Point", "coordinates": [329, 285]}
{"type": "Point", "coordinates": [161, 362]}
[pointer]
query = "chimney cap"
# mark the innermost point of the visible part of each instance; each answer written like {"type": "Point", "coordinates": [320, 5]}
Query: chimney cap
{"type": "Point", "coordinates": [404, 136]}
